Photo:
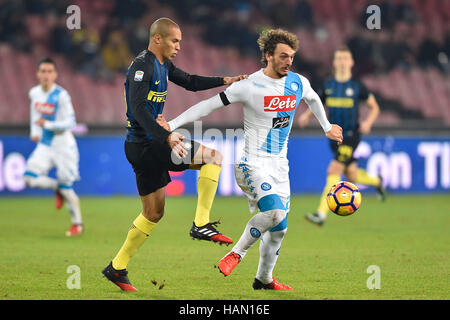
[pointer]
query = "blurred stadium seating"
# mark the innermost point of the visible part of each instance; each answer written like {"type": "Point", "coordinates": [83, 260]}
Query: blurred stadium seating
{"type": "Point", "coordinates": [406, 64]}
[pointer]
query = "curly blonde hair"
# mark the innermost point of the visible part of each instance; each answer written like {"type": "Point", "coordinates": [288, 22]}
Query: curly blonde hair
{"type": "Point", "coordinates": [269, 39]}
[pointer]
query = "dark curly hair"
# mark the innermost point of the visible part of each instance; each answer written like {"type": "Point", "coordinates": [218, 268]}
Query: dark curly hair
{"type": "Point", "coordinates": [269, 39]}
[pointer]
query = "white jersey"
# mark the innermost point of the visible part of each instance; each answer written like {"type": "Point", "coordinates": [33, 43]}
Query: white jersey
{"type": "Point", "coordinates": [57, 146]}
{"type": "Point", "coordinates": [56, 107]}
{"type": "Point", "coordinates": [269, 106]}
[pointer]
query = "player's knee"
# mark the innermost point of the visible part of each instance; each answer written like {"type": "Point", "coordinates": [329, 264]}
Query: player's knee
{"type": "Point", "coordinates": [69, 194]}
{"type": "Point", "coordinates": [273, 206]}
{"type": "Point", "coordinates": [153, 214]}
{"type": "Point", "coordinates": [28, 181]}
{"type": "Point", "coordinates": [277, 216]}
{"type": "Point", "coordinates": [280, 221]}
{"type": "Point", "coordinates": [219, 158]}
{"type": "Point", "coordinates": [159, 214]}
{"type": "Point", "coordinates": [335, 168]}
{"type": "Point", "coordinates": [278, 235]}
{"type": "Point", "coordinates": [351, 176]}
{"type": "Point", "coordinates": [215, 157]}
{"type": "Point", "coordinates": [351, 172]}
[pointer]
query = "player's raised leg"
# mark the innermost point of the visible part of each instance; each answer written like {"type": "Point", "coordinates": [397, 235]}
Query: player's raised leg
{"type": "Point", "coordinates": [37, 167]}
{"type": "Point", "coordinates": [272, 212]}
{"type": "Point", "coordinates": [361, 176]}
{"type": "Point", "coordinates": [209, 162]}
{"type": "Point", "coordinates": [34, 180]}
{"type": "Point", "coordinates": [142, 226]}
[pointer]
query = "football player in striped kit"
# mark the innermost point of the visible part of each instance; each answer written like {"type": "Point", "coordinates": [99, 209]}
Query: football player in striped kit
{"type": "Point", "coordinates": [52, 118]}
{"type": "Point", "coordinates": [342, 94]}
{"type": "Point", "coordinates": [270, 98]}
{"type": "Point", "coordinates": [153, 152]}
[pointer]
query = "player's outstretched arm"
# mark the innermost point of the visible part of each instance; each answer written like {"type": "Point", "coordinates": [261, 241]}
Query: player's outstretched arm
{"type": "Point", "coordinates": [235, 93]}
{"type": "Point", "coordinates": [194, 82]}
{"type": "Point", "coordinates": [229, 80]}
{"type": "Point", "coordinates": [197, 111]}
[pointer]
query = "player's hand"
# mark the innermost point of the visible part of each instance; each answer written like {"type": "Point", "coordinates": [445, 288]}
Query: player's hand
{"type": "Point", "coordinates": [40, 122]}
{"type": "Point", "coordinates": [35, 139]}
{"type": "Point", "coordinates": [162, 122]}
{"type": "Point", "coordinates": [365, 127]}
{"type": "Point", "coordinates": [175, 141]}
{"type": "Point", "coordinates": [335, 133]}
{"type": "Point", "coordinates": [303, 120]}
{"type": "Point", "coordinates": [229, 80]}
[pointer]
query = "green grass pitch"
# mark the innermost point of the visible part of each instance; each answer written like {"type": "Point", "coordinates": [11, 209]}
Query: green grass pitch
{"type": "Point", "coordinates": [407, 237]}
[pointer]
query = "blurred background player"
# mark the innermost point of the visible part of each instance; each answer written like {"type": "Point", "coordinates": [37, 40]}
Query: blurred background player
{"type": "Point", "coordinates": [149, 147]}
{"type": "Point", "coordinates": [52, 118]}
{"type": "Point", "coordinates": [342, 94]}
{"type": "Point", "coordinates": [270, 98]}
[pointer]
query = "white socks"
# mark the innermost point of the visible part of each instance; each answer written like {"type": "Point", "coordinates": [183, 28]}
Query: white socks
{"type": "Point", "coordinates": [322, 215]}
{"type": "Point", "coordinates": [258, 225]}
{"type": "Point", "coordinates": [73, 204]}
{"type": "Point", "coordinates": [268, 254]}
{"type": "Point", "coordinates": [70, 197]}
{"type": "Point", "coordinates": [41, 182]}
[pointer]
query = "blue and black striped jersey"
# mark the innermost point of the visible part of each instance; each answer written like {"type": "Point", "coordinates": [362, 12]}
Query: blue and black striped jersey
{"type": "Point", "coordinates": [146, 91]}
{"type": "Point", "coordinates": [342, 100]}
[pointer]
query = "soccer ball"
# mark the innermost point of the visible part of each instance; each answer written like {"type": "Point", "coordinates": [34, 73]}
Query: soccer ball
{"type": "Point", "coordinates": [344, 198]}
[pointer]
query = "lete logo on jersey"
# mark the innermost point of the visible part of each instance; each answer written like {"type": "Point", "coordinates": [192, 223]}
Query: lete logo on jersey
{"type": "Point", "coordinates": [280, 103]}
{"type": "Point", "coordinates": [44, 108]}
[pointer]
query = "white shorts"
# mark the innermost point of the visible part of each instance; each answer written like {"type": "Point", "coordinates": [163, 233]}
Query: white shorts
{"type": "Point", "coordinates": [65, 159]}
{"type": "Point", "coordinates": [262, 178]}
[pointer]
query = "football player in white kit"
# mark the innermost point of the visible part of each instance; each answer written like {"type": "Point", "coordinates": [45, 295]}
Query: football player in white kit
{"type": "Point", "coordinates": [52, 118]}
{"type": "Point", "coordinates": [270, 98]}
